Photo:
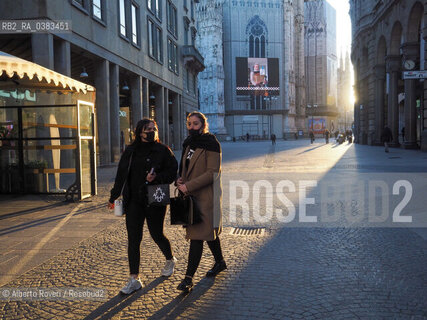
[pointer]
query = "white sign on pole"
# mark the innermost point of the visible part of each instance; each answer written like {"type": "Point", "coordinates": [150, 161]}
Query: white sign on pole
{"type": "Point", "coordinates": [414, 75]}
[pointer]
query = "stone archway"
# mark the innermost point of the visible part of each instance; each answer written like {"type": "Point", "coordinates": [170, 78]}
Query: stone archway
{"type": "Point", "coordinates": [393, 69]}
{"type": "Point", "coordinates": [380, 90]}
{"type": "Point", "coordinates": [358, 99]}
{"type": "Point", "coordinates": [413, 92]}
{"type": "Point", "coordinates": [414, 22]}
{"type": "Point", "coordinates": [396, 38]}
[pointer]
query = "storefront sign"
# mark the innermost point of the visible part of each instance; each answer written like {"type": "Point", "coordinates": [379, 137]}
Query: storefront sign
{"type": "Point", "coordinates": [414, 75]}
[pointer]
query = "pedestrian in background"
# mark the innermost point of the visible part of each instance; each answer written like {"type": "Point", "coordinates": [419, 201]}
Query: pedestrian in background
{"type": "Point", "coordinates": [386, 137]}
{"type": "Point", "coordinates": [327, 135]}
{"type": "Point", "coordinates": [403, 134]}
{"type": "Point", "coordinates": [200, 177]}
{"type": "Point", "coordinates": [145, 161]}
{"type": "Point", "coordinates": [273, 139]}
{"type": "Point", "coordinates": [311, 137]}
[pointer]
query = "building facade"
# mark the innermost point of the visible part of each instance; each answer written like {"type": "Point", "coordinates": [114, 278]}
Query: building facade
{"type": "Point", "coordinates": [389, 40]}
{"type": "Point", "coordinates": [344, 95]}
{"type": "Point", "coordinates": [321, 65]}
{"type": "Point", "coordinates": [254, 78]}
{"type": "Point", "coordinates": [211, 80]}
{"type": "Point", "coordinates": [140, 55]}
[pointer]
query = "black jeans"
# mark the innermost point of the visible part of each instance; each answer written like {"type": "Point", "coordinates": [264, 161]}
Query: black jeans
{"type": "Point", "coordinates": [195, 254]}
{"type": "Point", "coordinates": [135, 217]}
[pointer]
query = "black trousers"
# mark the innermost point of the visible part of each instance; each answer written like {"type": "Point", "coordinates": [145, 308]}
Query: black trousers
{"type": "Point", "coordinates": [135, 217]}
{"type": "Point", "coordinates": [195, 254]}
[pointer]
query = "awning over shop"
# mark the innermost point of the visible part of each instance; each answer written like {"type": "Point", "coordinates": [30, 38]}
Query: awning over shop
{"type": "Point", "coordinates": [23, 74]}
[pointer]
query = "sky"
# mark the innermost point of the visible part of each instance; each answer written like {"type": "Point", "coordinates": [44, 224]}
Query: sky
{"type": "Point", "coordinates": [342, 8]}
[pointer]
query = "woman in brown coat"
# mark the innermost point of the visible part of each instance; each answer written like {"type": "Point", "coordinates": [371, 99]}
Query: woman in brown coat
{"type": "Point", "coordinates": [200, 177]}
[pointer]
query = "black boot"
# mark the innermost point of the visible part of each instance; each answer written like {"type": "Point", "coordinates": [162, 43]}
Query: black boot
{"type": "Point", "coordinates": [186, 285]}
{"type": "Point", "coordinates": [217, 268]}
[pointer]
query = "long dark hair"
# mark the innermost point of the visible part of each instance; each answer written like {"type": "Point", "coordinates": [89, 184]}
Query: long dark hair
{"type": "Point", "coordinates": [141, 125]}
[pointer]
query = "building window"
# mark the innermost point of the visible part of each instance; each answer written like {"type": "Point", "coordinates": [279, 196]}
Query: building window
{"type": "Point", "coordinates": [151, 39]}
{"type": "Point", "coordinates": [83, 5]}
{"type": "Point", "coordinates": [194, 83]}
{"type": "Point", "coordinates": [155, 6]}
{"type": "Point", "coordinates": [172, 56]}
{"type": "Point", "coordinates": [135, 23]}
{"type": "Point", "coordinates": [256, 32]}
{"type": "Point", "coordinates": [257, 35]}
{"type": "Point", "coordinates": [172, 18]}
{"type": "Point", "coordinates": [186, 79]}
{"type": "Point", "coordinates": [159, 40]}
{"type": "Point", "coordinates": [122, 9]}
{"type": "Point", "coordinates": [192, 9]}
{"type": "Point", "coordinates": [190, 85]}
{"type": "Point", "coordinates": [186, 30]}
{"type": "Point", "coordinates": [158, 9]}
{"type": "Point", "coordinates": [97, 9]}
{"type": "Point", "coordinates": [155, 41]}
{"type": "Point", "coordinates": [193, 36]}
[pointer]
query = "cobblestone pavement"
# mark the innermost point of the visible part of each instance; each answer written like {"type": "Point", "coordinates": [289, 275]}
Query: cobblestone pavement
{"type": "Point", "coordinates": [286, 273]}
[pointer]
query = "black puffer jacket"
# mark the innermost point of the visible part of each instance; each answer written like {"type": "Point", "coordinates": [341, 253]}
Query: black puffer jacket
{"type": "Point", "coordinates": [144, 157]}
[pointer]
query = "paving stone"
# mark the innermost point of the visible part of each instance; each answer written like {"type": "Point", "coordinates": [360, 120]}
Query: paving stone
{"type": "Point", "coordinates": [290, 273]}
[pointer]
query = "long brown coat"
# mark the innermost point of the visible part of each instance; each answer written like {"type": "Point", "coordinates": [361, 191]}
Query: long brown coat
{"type": "Point", "coordinates": [203, 181]}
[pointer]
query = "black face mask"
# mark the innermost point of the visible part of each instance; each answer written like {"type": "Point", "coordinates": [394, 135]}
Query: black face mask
{"type": "Point", "coordinates": [194, 132]}
{"type": "Point", "coordinates": [149, 136]}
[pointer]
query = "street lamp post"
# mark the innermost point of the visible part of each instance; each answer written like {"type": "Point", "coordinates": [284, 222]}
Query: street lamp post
{"type": "Point", "coordinates": [345, 120]}
{"type": "Point", "coordinates": [269, 100]}
{"type": "Point", "coordinates": [310, 107]}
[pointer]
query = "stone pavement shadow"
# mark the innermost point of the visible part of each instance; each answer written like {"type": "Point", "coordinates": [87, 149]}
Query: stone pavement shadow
{"type": "Point", "coordinates": [120, 302]}
{"type": "Point", "coordinates": [311, 149]}
{"type": "Point", "coordinates": [32, 210]}
{"type": "Point", "coordinates": [177, 306]}
{"type": "Point", "coordinates": [41, 221]}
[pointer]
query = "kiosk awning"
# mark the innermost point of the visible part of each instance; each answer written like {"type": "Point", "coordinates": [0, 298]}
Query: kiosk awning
{"type": "Point", "coordinates": [22, 74]}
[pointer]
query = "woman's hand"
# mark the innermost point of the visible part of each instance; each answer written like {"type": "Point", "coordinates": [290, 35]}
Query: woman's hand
{"type": "Point", "coordinates": [110, 205]}
{"type": "Point", "coordinates": [150, 177]}
{"type": "Point", "coordinates": [179, 181]}
{"type": "Point", "coordinates": [182, 188]}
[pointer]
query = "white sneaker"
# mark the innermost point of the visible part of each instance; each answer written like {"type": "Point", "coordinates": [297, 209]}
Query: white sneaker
{"type": "Point", "coordinates": [131, 286]}
{"type": "Point", "coordinates": [169, 267]}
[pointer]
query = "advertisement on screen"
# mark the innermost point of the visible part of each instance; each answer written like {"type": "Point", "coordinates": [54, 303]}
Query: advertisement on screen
{"type": "Point", "coordinates": [318, 125]}
{"type": "Point", "coordinates": [257, 76]}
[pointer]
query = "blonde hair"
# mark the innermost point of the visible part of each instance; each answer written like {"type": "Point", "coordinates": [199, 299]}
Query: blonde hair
{"type": "Point", "coordinates": [202, 118]}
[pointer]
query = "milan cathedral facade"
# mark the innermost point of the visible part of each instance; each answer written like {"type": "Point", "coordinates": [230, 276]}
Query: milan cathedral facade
{"type": "Point", "coordinates": [254, 81]}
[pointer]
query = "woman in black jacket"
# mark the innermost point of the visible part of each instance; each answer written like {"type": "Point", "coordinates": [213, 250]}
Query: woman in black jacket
{"type": "Point", "coordinates": [151, 162]}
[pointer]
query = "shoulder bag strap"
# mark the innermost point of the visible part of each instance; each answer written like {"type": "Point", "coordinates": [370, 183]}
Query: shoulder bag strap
{"type": "Point", "coordinates": [124, 183]}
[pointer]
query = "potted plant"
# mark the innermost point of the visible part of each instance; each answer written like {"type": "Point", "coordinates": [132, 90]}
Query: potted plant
{"type": "Point", "coordinates": [35, 181]}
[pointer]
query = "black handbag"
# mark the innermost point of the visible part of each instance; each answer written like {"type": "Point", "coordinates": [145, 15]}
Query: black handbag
{"type": "Point", "coordinates": [184, 211]}
{"type": "Point", "coordinates": [158, 194]}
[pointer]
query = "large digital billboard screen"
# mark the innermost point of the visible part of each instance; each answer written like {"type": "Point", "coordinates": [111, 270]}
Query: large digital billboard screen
{"type": "Point", "coordinates": [317, 125]}
{"type": "Point", "coordinates": [257, 76]}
